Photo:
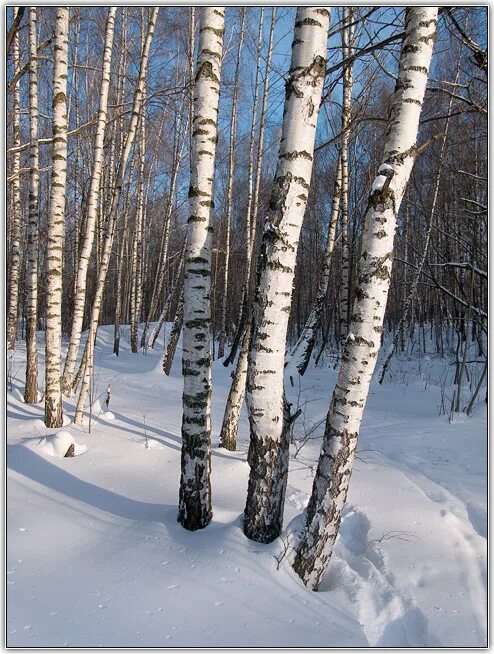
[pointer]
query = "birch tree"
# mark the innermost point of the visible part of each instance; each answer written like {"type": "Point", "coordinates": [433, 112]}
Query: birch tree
{"type": "Point", "coordinates": [110, 226]}
{"type": "Point", "coordinates": [345, 138]}
{"type": "Point", "coordinates": [229, 190]}
{"type": "Point", "coordinates": [56, 225]}
{"type": "Point", "coordinates": [269, 417]}
{"type": "Point", "coordinates": [137, 249]}
{"type": "Point", "coordinates": [300, 355]}
{"type": "Point", "coordinates": [91, 211]}
{"type": "Point", "coordinates": [15, 260]}
{"type": "Point", "coordinates": [31, 388]}
{"type": "Point", "coordinates": [194, 510]}
{"type": "Point", "coordinates": [323, 514]}
{"type": "Point", "coordinates": [418, 273]}
{"type": "Point", "coordinates": [233, 408]}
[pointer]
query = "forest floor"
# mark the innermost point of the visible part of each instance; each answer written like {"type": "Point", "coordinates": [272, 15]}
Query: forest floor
{"type": "Point", "coordinates": [96, 557]}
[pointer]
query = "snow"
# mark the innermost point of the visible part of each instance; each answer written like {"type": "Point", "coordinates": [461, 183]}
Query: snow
{"type": "Point", "coordinates": [96, 556]}
{"type": "Point", "coordinates": [58, 444]}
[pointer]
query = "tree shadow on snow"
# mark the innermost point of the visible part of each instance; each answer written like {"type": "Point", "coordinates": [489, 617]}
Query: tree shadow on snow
{"type": "Point", "coordinates": [26, 462]}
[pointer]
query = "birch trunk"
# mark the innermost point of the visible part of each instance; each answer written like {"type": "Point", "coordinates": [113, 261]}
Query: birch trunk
{"type": "Point", "coordinates": [231, 418]}
{"type": "Point", "coordinates": [229, 191]}
{"type": "Point", "coordinates": [165, 238]}
{"type": "Point", "coordinates": [56, 224]}
{"type": "Point", "coordinates": [15, 245]}
{"type": "Point", "coordinates": [195, 485]}
{"type": "Point", "coordinates": [137, 252]}
{"type": "Point", "coordinates": [229, 427]}
{"type": "Point", "coordinates": [166, 307]}
{"type": "Point", "coordinates": [120, 269]}
{"type": "Point", "coordinates": [110, 227]}
{"type": "Point", "coordinates": [250, 214]}
{"type": "Point", "coordinates": [92, 211]}
{"type": "Point", "coordinates": [323, 514]}
{"type": "Point", "coordinates": [302, 351]}
{"type": "Point", "coordinates": [268, 415]}
{"type": "Point", "coordinates": [174, 336]}
{"type": "Point", "coordinates": [31, 389]}
{"type": "Point", "coordinates": [418, 273]}
{"type": "Point", "coordinates": [345, 129]}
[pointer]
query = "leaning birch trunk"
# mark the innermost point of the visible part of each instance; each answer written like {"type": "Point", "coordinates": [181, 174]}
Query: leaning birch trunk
{"type": "Point", "coordinates": [418, 273]}
{"type": "Point", "coordinates": [194, 511]}
{"type": "Point", "coordinates": [166, 307]}
{"type": "Point", "coordinates": [31, 389]}
{"type": "Point", "coordinates": [165, 237]}
{"type": "Point", "coordinates": [56, 225]}
{"type": "Point", "coordinates": [253, 193]}
{"type": "Point", "coordinates": [229, 191]}
{"type": "Point", "coordinates": [176, 329]}
{"type": "Point", "coordinates": [300, 355]}
{"type": "Point", "coordinates": [91, 213]}
{"type": "Point", "coordinates": [231, 418]}
{"type": "Point", "coordinates": [15, 263]}
{"type": "Point", "coordinates": [110, 227]}
{"type": "Point", "coordinates": [323, 514]}
{"type": "Point", "coordinates": [270, 423]}
{"type": "Point", "coordinates": [345, 138]}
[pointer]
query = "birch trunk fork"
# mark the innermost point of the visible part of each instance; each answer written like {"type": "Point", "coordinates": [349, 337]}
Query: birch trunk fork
{"type": "Point", "coordinates": [31, 388]}
{"type": "Point", "coordinates": [92, 211]}
{"type": "Point", "coordinates": [56, 225]}
{"type": "Point", "coordinates": [323, 514]}
{"type": "Point", "coordinates": [268, 412]}
{"type": "Point", "coordinates": [194, 511]}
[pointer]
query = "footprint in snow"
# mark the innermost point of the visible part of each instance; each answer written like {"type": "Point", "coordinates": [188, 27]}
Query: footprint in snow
{"type": "Point", "coordinates": [173, 586]}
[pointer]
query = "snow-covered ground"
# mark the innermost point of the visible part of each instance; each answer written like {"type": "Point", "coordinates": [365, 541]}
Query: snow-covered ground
{"type": "Point", "coordinates": [95, 555]}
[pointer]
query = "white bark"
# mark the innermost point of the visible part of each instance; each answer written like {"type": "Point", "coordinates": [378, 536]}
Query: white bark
{"type": "Point", "coordinates": [110, 227]}
{"type": "Point", "coordinates": [137, 251]}
{"type": "Point", "coordinates": [166, 307]}
{"type": "Point", "coordinates": [31, 389]}
{"type": "Point", "coordinates": [269, 423]}
{"type": "Point", "coordinates": [15, 262]}
{"type": "Point", "coordinates": [345, 138]}
{"type": "Point", "coordinates": [171, 346]}
{"type": "Point", "coordinates": [195, 485]}
{"type": "Point", "coordinates": [91, 212]}
{"type": "Point", "coordinates": [56, 225]}
{"type": "Point", "coordinates": [300, 355]}
{"type": "Point", "coordinates": [418, 273]}
{"type": "Point", "coordinates": [229, 427]}
{"type": "Point", "coordinates": [323, 514]}
{"type": "Point", "coordinates": [248, 213]}
{"type": "Point", "coordinates": [229, 191]}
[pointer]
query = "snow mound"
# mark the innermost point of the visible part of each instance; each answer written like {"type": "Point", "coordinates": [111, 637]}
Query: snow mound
{"type": "Point", "coordinates": [108, 415]}
{"type": "Point", "coordinates": [58, 445]}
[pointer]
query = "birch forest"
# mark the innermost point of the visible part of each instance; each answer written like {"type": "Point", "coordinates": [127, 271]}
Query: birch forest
{"type": "Point", "coordinates": [246, 326]}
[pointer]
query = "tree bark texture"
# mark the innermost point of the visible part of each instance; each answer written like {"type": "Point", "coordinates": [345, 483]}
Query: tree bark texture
{"type": "Point", "coordinates": [268, 453]}
{"type": "Point", "coordinates": [56, 225]}
{"type": "Point", "coordinates": [323, 514]}
{"type": "Point", "coordinates": [194, 510]}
